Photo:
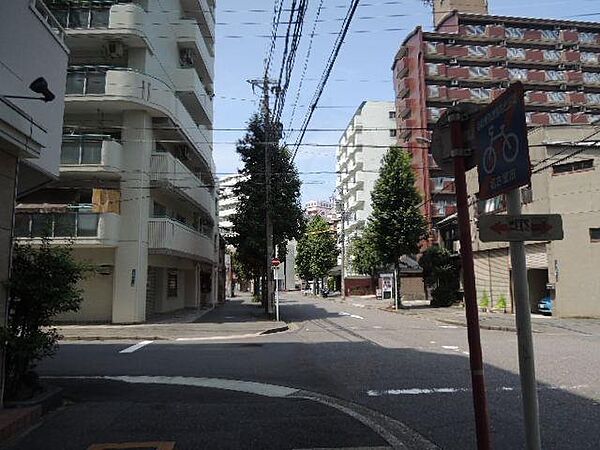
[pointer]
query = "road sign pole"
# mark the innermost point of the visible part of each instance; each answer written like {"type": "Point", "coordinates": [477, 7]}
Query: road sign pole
{"type": "Point", "coordinates": [524, 335]}
{"type": "Point", "coordinates": [277, 293]}
{"type": "Point", "coordinates": [475, 356]}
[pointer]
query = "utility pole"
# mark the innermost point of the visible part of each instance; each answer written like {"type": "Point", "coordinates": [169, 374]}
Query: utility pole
{"type": "Point", "coordinates": [264, 84]}
{"type": "Point", "coordinates": [340, 207]}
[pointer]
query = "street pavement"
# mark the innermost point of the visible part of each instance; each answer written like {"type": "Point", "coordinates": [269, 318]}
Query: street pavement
{"type": "Point", "coordinates": [374, 379]}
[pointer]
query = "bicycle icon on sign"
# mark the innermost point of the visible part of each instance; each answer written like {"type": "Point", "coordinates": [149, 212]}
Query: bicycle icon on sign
{"type": "Point", "coordinates": [510, 149]}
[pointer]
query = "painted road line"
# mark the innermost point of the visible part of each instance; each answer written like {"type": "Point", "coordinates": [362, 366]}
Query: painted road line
{"type": "Point", "coordinates": [354, 316]}
{"type": "Point", "coordinates": [454, 390]}
{"type": "Point", "coordinates": [136, 347]}
{"type": "Point", "coordinates": [450, 347]}
{"type": "Point", "coordinates": [358, 305]}
{"type": "Point", "coordinates": [377, 327]}
{"type": "Point", "coordinates": [448, 326]}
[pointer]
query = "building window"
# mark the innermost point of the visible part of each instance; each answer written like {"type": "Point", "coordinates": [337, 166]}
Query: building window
{"type": "Point", "coordinates": [550, 35]}
{"type": "Point", "coordinates": [559, 118]}
{"type": "Point", "coordinates": [595, 234]}
{"type": "Point", "coordinates": [480, 93]}
{"type": "Point", "coordinates": [552, 55]}
{"type": "Point", "coordinates": [555, 75]}
{"type": "Point", "coordinates": [392, 114]}
{"type": "Point", "coordinates": [433, 91]}
{"type": "Point", "coordinates": [172, 283]}
{"type": "Point", "coordinates": [432, 69]}
{"type": "Point", "coordinates": [491, 205]}
{"type": "Point", "coordinates": [431, 47]}
{"type": "Point", "coordinates": [574, 166]}
{"type": "Point", "coordinates": [589, 57]}
{"type": "Point", "coordinates": [515, 33]}
{"type": "Point", "coordinates": [591, 77]}
{"type": "Point", "coordinates": [478, 51]}
{"type": "Point", "coordinates": [588, 38]}
{"type": "Point", "coordinates": [392, 133]}
{"type": "Point", "coordinates": [593, 98]}
{"type": "Point", "coordinates": [516, 53]}
{"type": "Point", "coordinates": [557, 97]}
{"type": "Point", "coordinates": [518, 74]}
{"type": "Point", "coordinates": [475, 30]}
{"type": "Point", "coordinates": [479, 72]}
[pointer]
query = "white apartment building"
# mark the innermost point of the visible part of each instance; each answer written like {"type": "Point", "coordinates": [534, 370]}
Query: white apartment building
{"type": "Point", "coordinates": [228, 203]}
{"type": "Point", "coordinates": [566, 270]}
{"type": "Point", "coordinates": [371, 131]}
{"type": "Point", "coordinates": [31, 46]}
{"type": "Point", "coordinates": [136, 194]}
{"type": "Point", "coordinates": [323, 208]}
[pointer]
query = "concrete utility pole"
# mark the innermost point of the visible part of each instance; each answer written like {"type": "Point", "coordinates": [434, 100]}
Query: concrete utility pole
{"type": "Point", "coordinates": [342, 210]}
{"type": "Point", "coordinates": [264, 84]}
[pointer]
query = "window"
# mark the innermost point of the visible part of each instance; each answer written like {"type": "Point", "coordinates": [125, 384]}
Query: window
{"type": "Point", "coordinates": [593, 98]}
{"type": "Point", "coordinates": [588, 38]}
{"type": "Point", "coordinates": [433, 91]}
{"type": "Point", "coordinates": [555, 75]}
{"type": "Point", "coordinates": [475, 30]}
{"type": "Point", "coordinates": [559, 118]}
{"type": "Point", "coordinates": [574, 166]}
{"type": "Point", "coordinates": [595, 234]}
{"type": "Point", "coordinates": [552, 55]}
{"type": "Point", "coordinates": [591, 77]}
{"type": "Point", "coordinates": [172, 283]}
{"type": "Point", "coordinates": [515, 33]}
{"type": "Point", "coordinates": [518, 74]}
{"type": "Point", "coordinates": [588, 57]}
{"type": "Point", "coordinates": [516, 53]}
{"type": "Point", "coordinates": [392, 133]}
{"type": "Point", "coordinates": [432, 69]}
{"type": "Point", "coordinates": [392, 114]}
{"type": "Point", "coordinates": [477, 51]}
{"type": "Point", "coordinates": [479, 72]}
{"type": "Point", "coordinates": [550, 35]}
{"type": "Point", "coordinates": [491, 205]}
{"type": "Point", "coordinates": [557, 97]}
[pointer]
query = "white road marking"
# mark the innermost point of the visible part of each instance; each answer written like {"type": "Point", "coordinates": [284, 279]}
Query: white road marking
{"type": "Point", "coordinates": [447, 326]}
{"type": "Point", "coordinates": [450, 347]}
{"type": "Point", "coordinates": [354, 316]}
{"type": "Point", "coordinates": [465, 353]}
{"type": "Point", "coordinates": [377, 327]}
{"type": "Point", "coordinates": [217, 338]}
{"type": "Point", "coordinates": [135, 347]}
{"type": "Point", "coordinates": [454, 390]}
{"type": "Point", "coordinates": [432, 342]}
{"type": "Point", "coordinates": [358, 305]}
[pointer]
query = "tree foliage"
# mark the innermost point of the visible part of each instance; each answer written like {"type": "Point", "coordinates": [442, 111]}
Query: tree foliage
{"type": "Point", "coordinates": [44, 283]}
{"type": "Point", "coordinates": [363, 253]}
{"type": "Point", "coordinates": [317, 250]}
{"type": "Point", "coordinates": [286, 211]}
{"type": "Point", "coordinates": [441, 272]}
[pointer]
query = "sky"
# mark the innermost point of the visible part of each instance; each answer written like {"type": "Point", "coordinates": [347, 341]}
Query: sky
{"type": "Point", "coordinates": [362, 70]}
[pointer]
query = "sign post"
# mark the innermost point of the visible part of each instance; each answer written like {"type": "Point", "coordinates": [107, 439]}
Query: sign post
{"type": "Point", "coordinates": [275, 264]}
{"type": "Point", "coordinates": [504, 166]}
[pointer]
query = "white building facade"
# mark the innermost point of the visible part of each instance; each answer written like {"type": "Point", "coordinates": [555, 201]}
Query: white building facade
{"type": "Point", "coordinates": [370, 133]}
{"type": "Point", "coordinates": [31, 46]}
{"type": "Point", "coordinates": [228, 203]}
{"type": "Point", "coordinates": [136, 193]}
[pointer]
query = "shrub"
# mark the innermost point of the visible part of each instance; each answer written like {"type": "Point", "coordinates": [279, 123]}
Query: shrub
{"type": "Point", "coordinates": [43, 284]}
{"type": "Point", "coordinates": [485, 301]}
{"type": "Point", "coordinates": [501, 304]}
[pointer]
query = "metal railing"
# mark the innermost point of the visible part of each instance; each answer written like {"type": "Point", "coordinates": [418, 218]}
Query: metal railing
{"type": "Point", "coordinates": [85, 16]}
{"type": "Point", "coordinates": [82, 149]}
{"type": "Point", "coordinates": [56, 225]}
{"type": "Point", "coordinates": [50, 19]}
{"type": "Point", "coordinates": [86, 81]}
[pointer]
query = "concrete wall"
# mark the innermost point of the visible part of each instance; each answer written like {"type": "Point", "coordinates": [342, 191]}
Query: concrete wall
{"type": "Point", "coordinates": [8, 166]}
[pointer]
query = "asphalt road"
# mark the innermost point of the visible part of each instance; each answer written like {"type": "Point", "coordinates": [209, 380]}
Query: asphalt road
{"type": "Point", "coordinates": [404, 366]}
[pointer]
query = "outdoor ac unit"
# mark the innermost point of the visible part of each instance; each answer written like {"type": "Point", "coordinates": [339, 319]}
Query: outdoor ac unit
{"type": "Point", "coordinates": [453, 61]}
{"type": "Point", "coordinates": [114, 49]}
{"type": "Point", "coordinates": [451, 41]}
{"type": "Point", "coordinates": [454, 83]}
{"type": "Point", "coordinates": [559, 46]}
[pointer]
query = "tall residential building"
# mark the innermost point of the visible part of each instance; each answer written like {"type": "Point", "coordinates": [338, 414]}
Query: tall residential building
{"type": "Point", "coordinates": [371, 131]}
{"type": "Point", "coordinates": [136, 193]}
{"type": "Point", "coordinates": [473, 58]}
{"type": "Point", "coordinates": [31, 46]}
{"type": "Point", "coordinates": [228, 203]}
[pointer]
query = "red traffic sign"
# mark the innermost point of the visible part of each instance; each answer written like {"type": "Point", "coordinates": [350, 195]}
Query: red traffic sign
{"type": "Point", "coordinates": [275, 262]}
{"type": "Point", "coordinates": [500, 142]}
{"type": "Point", "coordinates": [526, 227]}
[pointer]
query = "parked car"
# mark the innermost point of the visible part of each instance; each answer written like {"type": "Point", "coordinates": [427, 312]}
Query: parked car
{"type": "Point", "coordinates": [545, 305]}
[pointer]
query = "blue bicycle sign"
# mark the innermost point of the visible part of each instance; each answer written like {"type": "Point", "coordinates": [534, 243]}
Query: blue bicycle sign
{"type": "Point", "coordinates": [501, 144]}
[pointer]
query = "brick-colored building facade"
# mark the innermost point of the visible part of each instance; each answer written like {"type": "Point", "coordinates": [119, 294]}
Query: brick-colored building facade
{"type": "Point", "coordinates": [473, 58]}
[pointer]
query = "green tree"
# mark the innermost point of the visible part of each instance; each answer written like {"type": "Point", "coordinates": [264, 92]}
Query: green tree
{"type": "Point", "coordinates": [397, 224]}
{"type": "Point", "coordinates": [286, 211]}
{"type": "Point", "coordinates": [317, 251]}
{"type": "Point", "coordinates": [363, 253]}
{"type": "Point", "coordinates": [44, 282]}
{"type": "Point", "coordinates": [441, 272]}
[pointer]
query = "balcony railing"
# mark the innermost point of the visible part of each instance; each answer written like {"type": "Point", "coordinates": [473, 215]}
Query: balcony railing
{"type": "Point", "coordinates": [166, 236]}
{"type": "Point", "coordinates": [86, 81]}
{"type": "Point", "coordinates": [68, 225]}
{"type": "Point", "coordinates": [90, 152]}
{"type": "Point", "coordinates": [85, 16]}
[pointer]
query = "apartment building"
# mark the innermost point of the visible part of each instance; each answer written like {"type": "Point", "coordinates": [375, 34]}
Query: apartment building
{"type": "Point", "coordinates": [370, 133]}
{"type": "Point", "coordinates": [323, 208]}
{"type": "Point", "coordinates": [33, 64]}
{"type": "Point", "coordinates": [472, 57]}
{"type": "Point", "coordinates": [569, 185]}
{"type": "Point", "coordinates": [136, 194]}
{"type": "Point", "coordinates": [228, 203]}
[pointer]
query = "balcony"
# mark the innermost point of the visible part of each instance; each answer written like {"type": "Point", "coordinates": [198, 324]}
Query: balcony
{"type": "Point", "coordinates": [203, 13]}
{"type": "Point", "coordinates": [124, 22]}
{"type": "Point", "coordinates": [105, 89]}
{"type": "Point", "coordinates": [193, 51]}
{"type": "Point", "coordinates": [168, 237]}
{"type": "Point", "coordinates": [91, 154]}
{"type": "Point", "coordinates": [442, 185]}
{"type": "Point", "coordinates": [168, 172]}
{"type": "Point", "coordinates": [83, 229]}
{"type": "Point", "coordinates": [193, 95]}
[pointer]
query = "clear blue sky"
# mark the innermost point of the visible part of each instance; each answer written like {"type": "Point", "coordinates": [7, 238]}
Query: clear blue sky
{"type": "Point", "coordinates": [362, 70]}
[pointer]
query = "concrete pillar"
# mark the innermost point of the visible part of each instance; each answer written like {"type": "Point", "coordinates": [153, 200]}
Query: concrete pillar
{"type": "Point", "coordinates": [131, 256]}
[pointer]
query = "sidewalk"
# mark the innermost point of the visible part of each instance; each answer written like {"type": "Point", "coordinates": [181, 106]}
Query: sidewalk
{"type": "Point", "coordinates": [455, 315]}
{"type": "Point", "coordinates": [237, 318]}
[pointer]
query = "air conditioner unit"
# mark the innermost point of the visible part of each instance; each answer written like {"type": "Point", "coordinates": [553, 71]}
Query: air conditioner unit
{"type": "Point", "coordinates": [451, 41]}
{"type": "Point", "coordinates": [563, 87]}
{"type": "Point", "coordinates": [559, 46]}
{"type": "Point", "coordinates": [454, 83]}
{"type": "Point", "coordinates": [114, 49]}
{"type": "Point", "coordinates": [575, 47]}
{"type": "Point", "coordinates": [453, 61]}
{"type": "Point", "coordinates": [561, 67]}
{"type": "Point", "coordinates": [505, 84]}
